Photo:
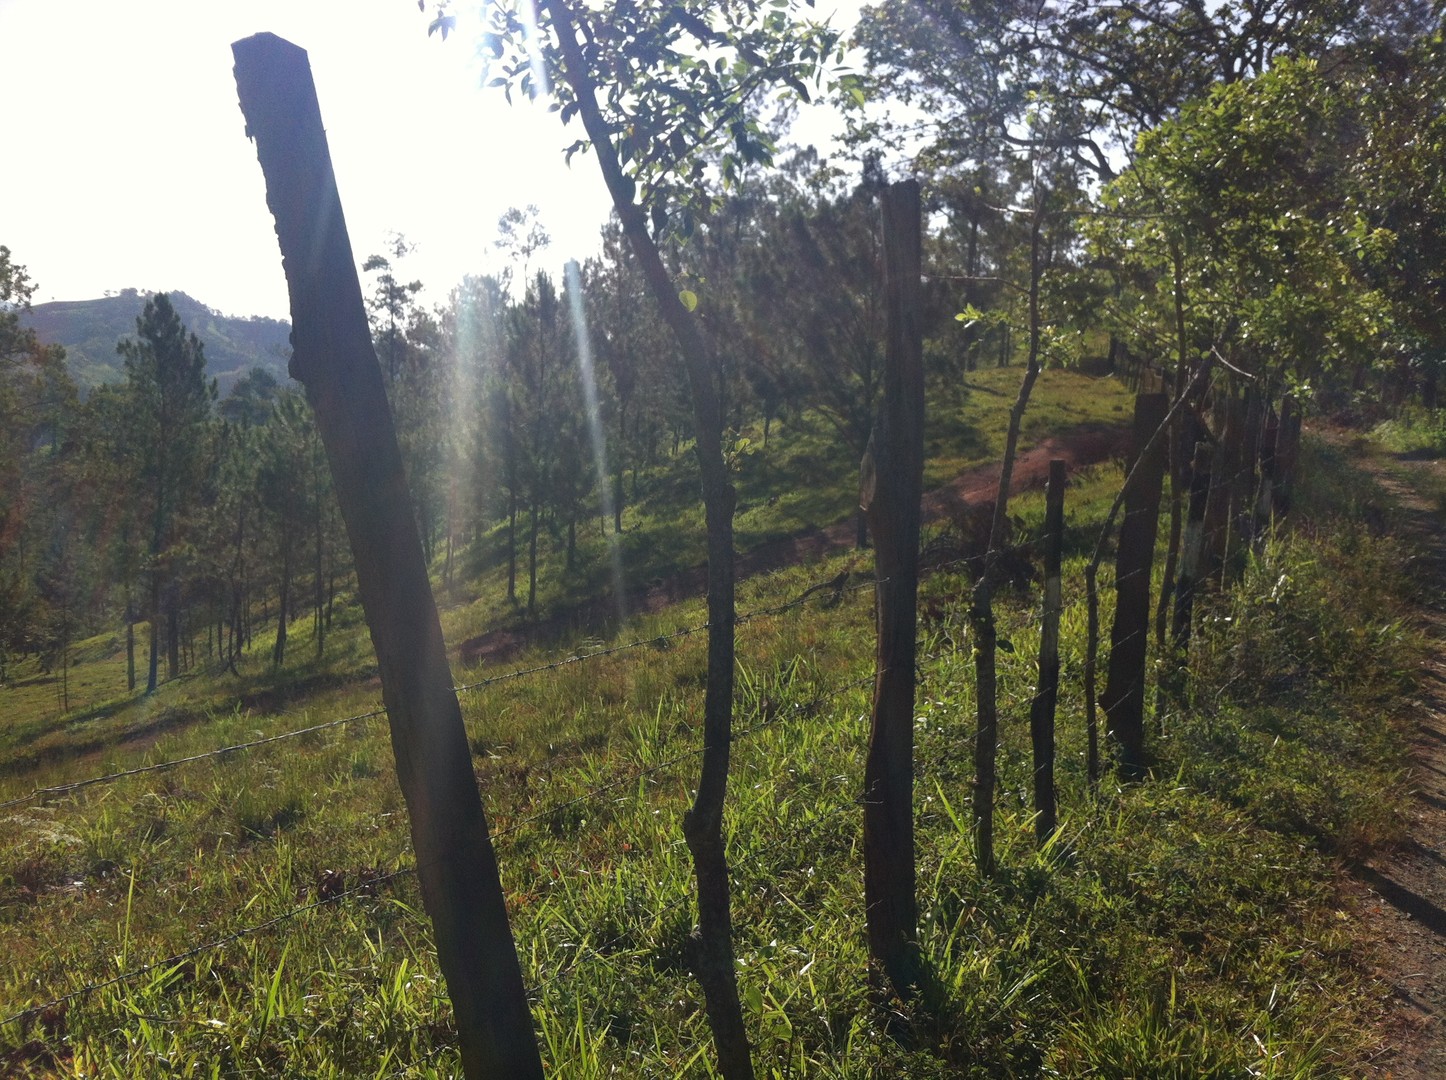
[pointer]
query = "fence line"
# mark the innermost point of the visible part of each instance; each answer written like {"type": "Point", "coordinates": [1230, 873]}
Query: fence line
{"type": "Point", "coordinates": [831, 588]}
{"type": "Point", "coordinates": [827, 589]}
{"type": "Point", "coordinates": [162, 766]}
{"type": "Point", "coordinates": [554, 665]}
{"type": "Point", "coordinates": [369, 886]}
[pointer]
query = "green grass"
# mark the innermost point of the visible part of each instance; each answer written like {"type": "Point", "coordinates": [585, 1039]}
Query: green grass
{"type": "Point", "coordinates": [1416, 432]}
{"type": "Point", "coordinates": [1184, 927]}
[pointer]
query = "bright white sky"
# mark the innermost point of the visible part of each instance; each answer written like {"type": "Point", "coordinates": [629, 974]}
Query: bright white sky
{"type": "Point", "coordinates": [125, 163]}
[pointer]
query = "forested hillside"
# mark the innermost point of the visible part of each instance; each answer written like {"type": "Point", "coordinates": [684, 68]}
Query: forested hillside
{"type": "Point", "coordinates": [88, 331]}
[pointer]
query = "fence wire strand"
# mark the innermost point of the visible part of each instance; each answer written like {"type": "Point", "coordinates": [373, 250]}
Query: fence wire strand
{"type": "Point", "coordinates": [370, 885]}
{"type": "Point", "coordinates": [833, 588]}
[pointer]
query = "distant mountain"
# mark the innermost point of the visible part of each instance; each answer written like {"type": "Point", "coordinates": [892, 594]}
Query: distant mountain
{"type": "Point", "coordinates": [89, 330]}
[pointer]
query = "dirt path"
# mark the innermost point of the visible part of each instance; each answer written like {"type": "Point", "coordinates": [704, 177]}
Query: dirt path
{"type": "Point", "coordinates": [1081, 446]}
{"type": "Point", "coordinates": [1404, 901]}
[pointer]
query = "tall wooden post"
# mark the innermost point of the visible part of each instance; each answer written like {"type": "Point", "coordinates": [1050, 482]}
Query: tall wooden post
{"type": "Point", "coordinates": [1042, 708]}
{"type": "Point", "coordinates": [334, 358]}
{"type": "Point", "coordinates": [1124, 697]}
{"type": "Point", "coordinates": [891, 486]}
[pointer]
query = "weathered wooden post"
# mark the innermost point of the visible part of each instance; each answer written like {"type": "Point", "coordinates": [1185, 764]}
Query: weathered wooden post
{"type": "Point", "coordinates": [1231, 485]}
{"type": "Point", "coordinates": [1287, 454]}
{"type": "Point", "coordinates": [1123, 700]}
{"type": "Point", "coordinates": [1265, 499]}
{"type": "Point", "coordinates": [1192, 547]}
{"type": "Point", "coordinates": [890, 487]}
{"type": "Point", "coordinates": [334, 358]}
{"type": "Point", "coordinates": [1042, 708]}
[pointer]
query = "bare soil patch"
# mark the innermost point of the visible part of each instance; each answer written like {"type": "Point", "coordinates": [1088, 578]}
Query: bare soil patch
{"type": "Point", "coordinates": [1078, 447]}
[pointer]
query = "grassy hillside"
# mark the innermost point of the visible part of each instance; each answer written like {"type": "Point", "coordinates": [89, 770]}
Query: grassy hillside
{"type": "Point", "coordinates": [89, 330]}
{"type": "Point", "coordinates": [1180, 928]}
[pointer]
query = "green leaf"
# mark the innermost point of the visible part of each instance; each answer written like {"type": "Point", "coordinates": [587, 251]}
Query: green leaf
{"type": "Point", "coordinates": [689, 299]}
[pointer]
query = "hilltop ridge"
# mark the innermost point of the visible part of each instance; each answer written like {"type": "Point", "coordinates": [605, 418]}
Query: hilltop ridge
{"type": "Point", "coordinates": [89, 330]}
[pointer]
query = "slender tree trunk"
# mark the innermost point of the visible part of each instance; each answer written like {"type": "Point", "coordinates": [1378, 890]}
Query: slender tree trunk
{"type": "Point", "coordinates": [1231, 480]}
{"type": "Point", "coordinates": [512, 546]}
{"type": "Point", "coordinates": [173, 631]}
{"type": "Point", "coordinates": [130, 642]}
{"type": "Point", "coordinates": [712, 941]}
{"type": "Point", "coordinates": [532, 557]}
{"type": "Point", "coordinates": [619, 469]}
{"type": "Point", "coordinates": [278, 651]}
{"type": "Point", "coordinates": [1179, 471]}
{"type": "Point", "coordinates": [1265, 504]}
{"type": "Point", "coordinates": [981, 612]}
{"type": "Point", "coordinates": [318, 621]}
{"type": "Point", "coordinates": [153, 664]}
{"type": "Point", "coordinates": [1250, 480]}
{"type": "Point", "coordinates": [1192, 548]}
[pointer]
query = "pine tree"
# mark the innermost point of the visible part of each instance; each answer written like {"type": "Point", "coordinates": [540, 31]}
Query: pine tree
{"type": "Point", "coordinates": [169, 413]}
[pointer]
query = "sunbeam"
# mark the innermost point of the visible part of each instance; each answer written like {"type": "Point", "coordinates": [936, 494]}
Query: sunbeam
{"type": "Point", "coordinates": [594, 423]}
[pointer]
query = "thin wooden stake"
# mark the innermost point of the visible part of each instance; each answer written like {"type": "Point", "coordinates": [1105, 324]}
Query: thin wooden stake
{"type": "Point", "coordinates": [1042, 708]}
{"type": "Point", "coordinates": [890, 488]}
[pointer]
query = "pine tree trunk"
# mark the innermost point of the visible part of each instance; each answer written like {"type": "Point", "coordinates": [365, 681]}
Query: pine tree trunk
{"type": "Point", "coordinates": [318, 618]}
{"type": "Point", "coordinates": [173, 631]}
{"type": "Point", "coordinates": [512, 548]}
{"type": "Point", "coordinates": [130, 644]}
{"type": "Point", "coordinates": [278, 651]}
{"type": "Point", "coordinates": [532, 559]}
{"type": "Point", "coordinates": [153, 663]}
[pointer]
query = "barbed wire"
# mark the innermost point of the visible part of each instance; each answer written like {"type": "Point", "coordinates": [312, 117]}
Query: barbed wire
{"type": "Point", "coordinates": [832, 588]}
{"type": "Point", "coordinates": [370, 884]}
{"type": "Point", "coordinates": [520, 673]}
{"type": "Point", "coordinates": [162, 766]}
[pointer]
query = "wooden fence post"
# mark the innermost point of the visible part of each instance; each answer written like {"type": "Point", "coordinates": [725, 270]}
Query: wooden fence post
{"type": "Point", "coordinates": [1124, 697]}
{"type": "Point", "coordinates": [1287, 454]}
{"type": "Point", "coordinates": [890, 488]}
{"type": "Point", "coordinates": [1191, 548]}
{"type": "Point", "coordinates": [1042, 708]}
{"type": "Point", "coordinates": [334, 358]}
{"type": "Point", "coordinates": [1265, 503]}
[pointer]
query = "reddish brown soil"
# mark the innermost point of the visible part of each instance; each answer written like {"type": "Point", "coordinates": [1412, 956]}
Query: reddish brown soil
{"type": "Point", "coordinates": [1085, 445]}
{"type": "Point", "coordinates": [1402, 892]}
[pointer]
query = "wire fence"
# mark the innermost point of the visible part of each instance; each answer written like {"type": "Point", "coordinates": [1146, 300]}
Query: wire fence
{"type": "Point", "coordinates": [832, 589]}
{"type": "Point", "coordinates": [371, 884]}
